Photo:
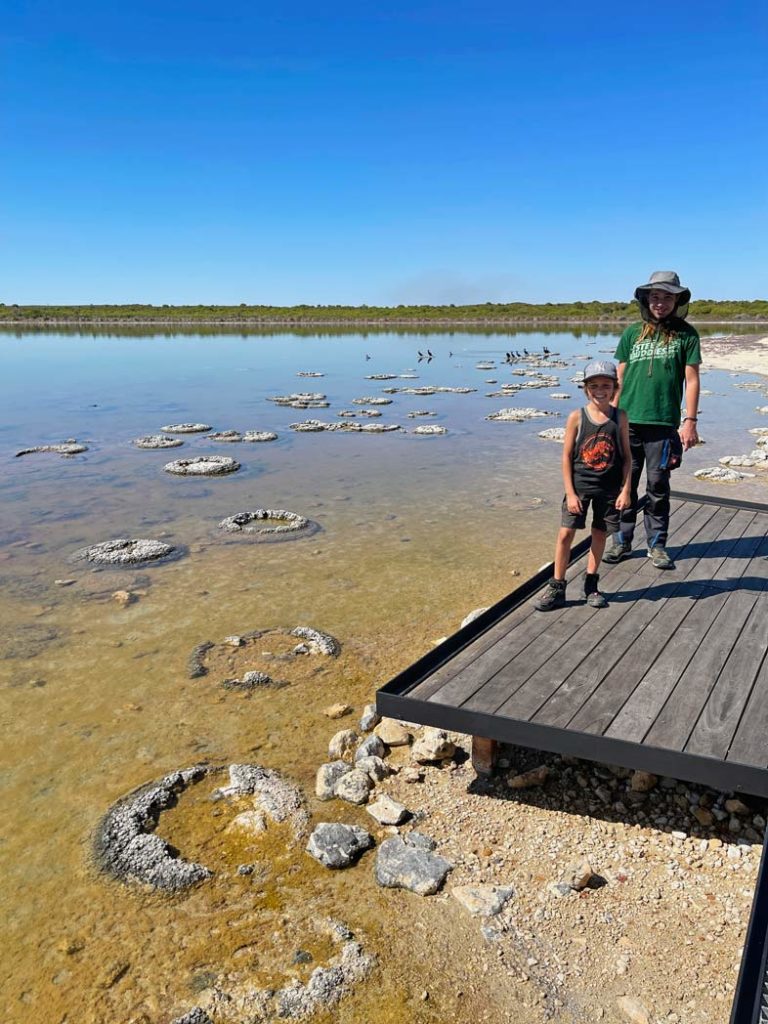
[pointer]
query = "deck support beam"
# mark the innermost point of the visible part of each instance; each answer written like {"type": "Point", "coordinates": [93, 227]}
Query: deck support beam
{"type": "Point", "coordinates": [485, 753]}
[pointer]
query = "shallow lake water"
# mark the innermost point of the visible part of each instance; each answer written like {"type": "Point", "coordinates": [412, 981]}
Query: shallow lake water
{"type": "Point", "coordinates": [412, 534]}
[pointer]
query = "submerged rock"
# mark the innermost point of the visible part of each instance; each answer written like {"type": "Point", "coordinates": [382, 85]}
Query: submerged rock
{"type": "Point", "coordinates": [259, 435]}
{"type": "Point", "coordinates": [336, 845]}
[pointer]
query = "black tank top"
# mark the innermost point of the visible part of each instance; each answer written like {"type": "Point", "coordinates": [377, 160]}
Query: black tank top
{"type": "Point", "coordinates": [597, 456]}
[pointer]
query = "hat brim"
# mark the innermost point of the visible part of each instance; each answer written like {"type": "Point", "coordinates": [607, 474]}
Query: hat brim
{"type": "Point", "coordinates": [672, 289]}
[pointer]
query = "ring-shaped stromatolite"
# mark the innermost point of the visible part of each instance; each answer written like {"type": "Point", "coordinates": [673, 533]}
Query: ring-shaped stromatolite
{"type": "Point", "coordinates": [284, 524]}
{"type": "Point", "coordinates": [203, 465]}
{"type": "Point", "coordinates": [157, 441]}
{"type": "Point", "coordinates": [66, 448]}
{"type": "Point", "coordinates": [125, 551]}
{"type": "Point", "coordinates": [225, 435]}
{"type": "Point", "coordinates": [315, 642]}
{"type": "Point", "coordinates": [186, 428]}
{"type": "Point", "coordinates": [127, 847]}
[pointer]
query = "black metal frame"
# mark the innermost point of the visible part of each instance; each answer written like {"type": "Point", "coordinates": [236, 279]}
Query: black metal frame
{"type": "Point", "coordinates": [393, 701]}
{"type": "Point", "coordinates": [748, 1000]}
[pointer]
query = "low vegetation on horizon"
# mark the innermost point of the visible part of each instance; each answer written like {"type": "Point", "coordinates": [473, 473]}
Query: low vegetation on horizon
{"type": "Point", "coordinates": [489, 312]}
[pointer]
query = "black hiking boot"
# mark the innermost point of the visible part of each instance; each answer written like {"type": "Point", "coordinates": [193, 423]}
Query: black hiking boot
{"type": "Point", "coordinates": [552, 597]}
{"type": "Point", "coordinates": [617, 551]}
{"type": "Point", "coordinates": [591, 594]}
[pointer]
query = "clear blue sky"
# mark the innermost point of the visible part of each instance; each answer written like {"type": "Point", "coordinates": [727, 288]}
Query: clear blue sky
{"type": "Point", "coordinates": [385, 152]}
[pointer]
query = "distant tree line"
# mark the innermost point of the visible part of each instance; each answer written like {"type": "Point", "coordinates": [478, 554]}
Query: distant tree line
{"type": "Point", "coordinates": [486, 312]}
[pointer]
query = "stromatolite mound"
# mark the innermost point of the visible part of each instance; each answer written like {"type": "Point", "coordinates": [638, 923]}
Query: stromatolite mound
{"type": "Point", "coordinates": [225, 435]}
{"type": "Point", "coordinates": [65, 448]}
{"type": "Point", "coordinates": [276, 797]}
{"type": "Point", "coordinates": [431, 430]}
{"type": "Point", "coordinates": [125, 551]}
{"type": "Point", "coordinates": [186, 428]}
{"type": "Point", "coordinates": [517, 415]}
{"type": "Point", "coordinates": [203, 465]}
{"type": "Point", "coordinates": [126, 846]}
{"type": "Point", "coordinates": [265, 521]}
{"type": "Point", "coordinates": [259, 435]}
{"type": "Point", "coordinates": [157, 441]}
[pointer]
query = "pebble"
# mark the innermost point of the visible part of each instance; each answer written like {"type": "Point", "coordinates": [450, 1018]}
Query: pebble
{"type": "Point", "coordinates": [393, 733]}
{"type": "Point", "coordinates": [388, 811]}
{"type": "Point", "coordinates": [369, 718]}
{"type": "Point", "coordinates": [337, 710]}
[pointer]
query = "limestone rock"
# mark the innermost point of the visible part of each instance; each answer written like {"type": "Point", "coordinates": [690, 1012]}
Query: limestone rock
{"type": "Point", "coordinates": [535, 777]}
{"type": "Point", "coordinates": [342, 744]}
{"type": "Point", "coordinates": [249, 821]}
{"type": "Point", "coordinates": [401, 865]}
{"type": "Point", "coordinates": [482, 900]}
{"type": "Point", "coordinates": [633, 1010]}
{"type": "Point", "coordinates": [327, 777]}
{"type": "Point", "coordinates": [336, 845]}
{"type": "Point", "coordinates": [433, 745]}
{"type": "Point", "coordinates": [336, 710]}
{"type": "Point", "coordinates": [371, 746]}
{"type": "Point", "coordinates": [578, 875]}
{"type": "Point", "coordinates": [354, 787]}
{"type": "Point", "coordinates": [374, 767]}
{"type": "Point", "coordinates": [392, 733]}
{"type": "Point", "coordinates": [643, 782]}
{"type": "Point", "coordinates": [369, 718]}
{"type": "Point", "coordinates": [388, 811]}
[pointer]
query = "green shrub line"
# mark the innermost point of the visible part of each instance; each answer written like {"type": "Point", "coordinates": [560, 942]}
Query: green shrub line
{"type": "Point", "coordinates": [716, 310]}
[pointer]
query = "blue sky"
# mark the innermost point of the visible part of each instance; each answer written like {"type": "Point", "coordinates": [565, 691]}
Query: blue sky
{"type": "Point", "coordinates": [380, 153]}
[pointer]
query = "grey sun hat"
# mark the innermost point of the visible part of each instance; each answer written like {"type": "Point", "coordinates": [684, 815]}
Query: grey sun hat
{"type": "Point", "coordinates": [600, 368]}
{"type": "Point", "coordinates": [665, 281]}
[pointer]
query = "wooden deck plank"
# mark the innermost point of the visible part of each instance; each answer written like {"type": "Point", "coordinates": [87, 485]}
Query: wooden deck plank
{"type": "Point", "coordinates": [642, 708]}
{"type": "Point", "coordinates": [436, 686]}
{"type": "Point", "coordinates": [602, 707]}
{"type": "Point", "coordinates": [750, 744]}
{"type": "Point", "coordinates": [677, 719]}
{"type": "Point", "coordinates": [714, 731]}
{"type": "Point", "coordinates": [570, 703]}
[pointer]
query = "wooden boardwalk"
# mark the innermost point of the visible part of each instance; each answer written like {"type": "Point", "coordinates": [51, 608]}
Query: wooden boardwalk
{"type": "Point", "coordinates": [671, 677]}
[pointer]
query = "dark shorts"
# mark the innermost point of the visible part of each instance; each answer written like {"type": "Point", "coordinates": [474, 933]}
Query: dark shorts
{"type": "Point", "coordinates": [605, 515]}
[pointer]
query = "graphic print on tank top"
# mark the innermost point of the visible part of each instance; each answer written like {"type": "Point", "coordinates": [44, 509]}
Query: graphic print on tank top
{"type": "Point", "coordinates": [597, 452]}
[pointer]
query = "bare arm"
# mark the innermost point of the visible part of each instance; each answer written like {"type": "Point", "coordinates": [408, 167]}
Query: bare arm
{"type": "Point", "coordinates": [624, 498]}
{"type": "Point", "coordinates": [571, 430]}
{"type": "Point", "coordinates": [689, 434]}
{"type": "Point", "coordinates": [620, 371]}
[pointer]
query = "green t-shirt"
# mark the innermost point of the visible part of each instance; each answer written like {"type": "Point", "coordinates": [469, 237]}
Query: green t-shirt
{"type": "Point", "coordinates": [652, 390]}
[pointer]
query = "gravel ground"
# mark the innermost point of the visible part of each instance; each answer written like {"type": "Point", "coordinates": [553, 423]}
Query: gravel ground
{"type": "Point", "coordinates": [656, 936]}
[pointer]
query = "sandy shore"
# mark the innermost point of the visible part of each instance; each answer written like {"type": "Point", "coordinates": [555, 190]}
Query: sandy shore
{"type": "Point", "coordinates": [744, 353]}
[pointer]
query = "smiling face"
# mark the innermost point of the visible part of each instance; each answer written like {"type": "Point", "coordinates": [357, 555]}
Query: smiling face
{"type": "Point", "coordinates": [600, 390]}
{"type": "Point", "coordinates": [661, 303]}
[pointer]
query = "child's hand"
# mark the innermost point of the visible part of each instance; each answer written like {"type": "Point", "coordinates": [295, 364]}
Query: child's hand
{"type": "Point", "coordinates": [624, 500]}
{"type": "Point", "coordinates": [574, 504]}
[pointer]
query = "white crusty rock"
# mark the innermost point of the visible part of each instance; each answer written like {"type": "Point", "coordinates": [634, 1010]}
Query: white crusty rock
{"type": "Point", "coordinates": [474, 614]}
{"type": "Point", "coordinates": [203, 465]}
{"type": "Point", "coordinates": [553, 434]}
{"type": "Point", "coordinates": [402, 864]}
{"type": "Point", "coordinates": [374, 767]}
{"type": "Point", "coordinates": [327, 776]}
{"type": "Point", "coordinates": [722, 474]}
{"type": "Point", "coordinates": [157, 441]}
{"type": "Point", "coordinates": [355, 787]}
{"type": "Point", "coordinates": [433, 745]}
{"type": "Point", "coordinates": [342, 744]}
{"type": "Point", "coordinates": [259, 435]}
{"type": "Point", "coordinates": [388, 811]}
{"type": "Point", "coordinates": [429, 430]}
{"type": "Point", "coordinates": [517, 415]}
{"type": "Point", "coordinates": [336, 845]}
{"type": "Point", "coordinates": [371, 746]}
{"type": "Point", "coordinates": [186, 428]}
{"type": "Point", "coordinates": [369, 718]}
{"type": "Point", "coordinates": [483, 900]}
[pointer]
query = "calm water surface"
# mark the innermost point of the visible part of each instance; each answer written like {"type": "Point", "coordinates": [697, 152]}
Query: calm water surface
{"type": "Point", "coordinates": [414, 533]}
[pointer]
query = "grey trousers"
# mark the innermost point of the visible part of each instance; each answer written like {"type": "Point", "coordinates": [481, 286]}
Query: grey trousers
{"type": "Point", "coordinates": [649, 445]}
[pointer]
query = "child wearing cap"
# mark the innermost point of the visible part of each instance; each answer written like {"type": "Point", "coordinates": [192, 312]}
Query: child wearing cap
{"type": "Point", "coordinates": [596, 471]}
{"type": "Point", "coordinates": [658, 357]}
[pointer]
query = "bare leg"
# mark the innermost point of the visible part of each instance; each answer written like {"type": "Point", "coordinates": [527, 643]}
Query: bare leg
{"type": "Point", "coordinates": [563, 550]}
{"type": "Point", "coordinates": [596, 551]}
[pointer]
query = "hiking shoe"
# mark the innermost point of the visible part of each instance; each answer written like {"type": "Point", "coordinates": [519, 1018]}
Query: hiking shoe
{"type": "Point", "coordinates": [591, 594]}
{"type": "Point", "coordinates": [660, 558]}
{"type": "Point", "coordinates": [552, 597]}
{"type": "Point", "coordinates": [617, 552]}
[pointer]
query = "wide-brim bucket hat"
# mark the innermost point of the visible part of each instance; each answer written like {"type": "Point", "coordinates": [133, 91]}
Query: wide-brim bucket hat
{"type": "Point", "coordinates": [665, 281]}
